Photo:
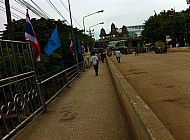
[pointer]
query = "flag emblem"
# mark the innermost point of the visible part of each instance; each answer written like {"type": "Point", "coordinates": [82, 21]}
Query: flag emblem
{"type": "Point", "coordinates": [71, 46]}
{"type": "Point", "coordinates": [53, 43]}
{"type": "Point", "coordinates": [31, 36]}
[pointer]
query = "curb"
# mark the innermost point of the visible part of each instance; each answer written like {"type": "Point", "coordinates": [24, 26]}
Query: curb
{"type": "Point", "coordinates": [144, 123]}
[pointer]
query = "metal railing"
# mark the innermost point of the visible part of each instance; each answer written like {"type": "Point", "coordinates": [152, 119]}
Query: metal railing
{"type": "Point", "coordinates": [22, 96]}
{"type": "Point", "coordinates": [51, 86]}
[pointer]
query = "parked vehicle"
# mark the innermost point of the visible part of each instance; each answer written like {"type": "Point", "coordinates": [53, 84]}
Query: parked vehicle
{"type": "Point", "coordinates": [160, 47]}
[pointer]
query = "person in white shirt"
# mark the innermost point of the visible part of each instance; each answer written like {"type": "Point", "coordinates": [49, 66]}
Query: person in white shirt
{"type": "Point", "coordinates": [118, 55]}
{"type": "Point", "coordinates": [94, 62]}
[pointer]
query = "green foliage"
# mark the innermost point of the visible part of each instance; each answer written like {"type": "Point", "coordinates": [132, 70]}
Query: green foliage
{"type": "Point", "coordinates": [43, 29]}
{"type": "Point", "coordinates": [158, 26]}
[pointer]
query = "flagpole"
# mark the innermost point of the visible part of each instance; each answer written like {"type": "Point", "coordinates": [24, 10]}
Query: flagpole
{"type": "Point", "coordinates": [73, 37]}
{"type": "Point", "coordinates": [61, 57]}
{"type": "Point", "coordinates": [81, 54]}
{"type": "Point", "coordinates": [60, 52]}
{"type": "Point", "coordinates": [80, 49]}
{"type": "Point", "coordinates": [71, 45]}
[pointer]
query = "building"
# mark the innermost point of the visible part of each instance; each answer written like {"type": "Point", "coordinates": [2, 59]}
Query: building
{"type": "Point", "coordinates": [136, 29]}
{"type": "Point", "coordinates": [128, 34]}
{"type": "Point", "coordinates": [124, 32]}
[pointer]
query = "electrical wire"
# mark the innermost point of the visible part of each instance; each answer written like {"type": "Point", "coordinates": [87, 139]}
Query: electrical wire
{"type": "Point", "coordinates": [35, 10]}
{"type": "Point", "coordinates": [20, 10]}
{"type": "Point", "coordinates": [16, 9]}
{"type": "Point", "coordinates": [23, 5]}
{"type": "Point", "coordinates": [31, 8]}
{"type": "Point", "coordinates": [13, 14]}
{"type": "Point", "coordinates": [40, 12]}
{"type": "Point", "coordinates": [53, 6]}
{"type": "Point", "coordinates": [41, 9]}
{"type": "Point", "coordinates": [71, 15]}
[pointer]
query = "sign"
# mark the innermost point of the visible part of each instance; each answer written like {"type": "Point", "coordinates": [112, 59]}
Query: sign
{"type": "Point", "coordinates": [168, 39]}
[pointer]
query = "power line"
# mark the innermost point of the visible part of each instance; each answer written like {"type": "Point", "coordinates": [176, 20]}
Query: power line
{"type": "Point", "coordinates": [71, 15]}
{"type": "Point", "coordinates": [16, 9]}
{"type": "Point", "coordinates": [35, 10]}
{"type": "Point", "coordinates": [31, 8]}
{"type": "Point", "coordinates": [40, 12]}
{"type": "Point", "coordinates": [53, 6]}
{"type": "Point", "coordinates": [40, 9]}
{"type": "Point", "coordinates": [13, 14]}
{"type": "Point", "coordinates": [23, 5]}
{"type": "Point", "coordinates": [5, 12]}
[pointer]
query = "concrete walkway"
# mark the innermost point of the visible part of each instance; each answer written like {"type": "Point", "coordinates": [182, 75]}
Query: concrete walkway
{"type": "Point", "coordinates": [88, 110]}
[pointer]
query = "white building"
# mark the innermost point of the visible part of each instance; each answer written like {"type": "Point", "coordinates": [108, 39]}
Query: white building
{"type": "Point", "coordinates": [136, 29]}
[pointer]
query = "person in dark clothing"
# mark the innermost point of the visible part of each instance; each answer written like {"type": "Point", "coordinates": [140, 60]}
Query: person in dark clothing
{"type": "Point", "coordinates": [103, 55]}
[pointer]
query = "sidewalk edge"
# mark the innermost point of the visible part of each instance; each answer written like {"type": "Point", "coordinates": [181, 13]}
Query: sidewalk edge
{"type": "Point", "coordinates": [145, 124]}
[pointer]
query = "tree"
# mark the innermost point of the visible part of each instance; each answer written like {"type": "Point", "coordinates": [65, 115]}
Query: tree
{"type": "Point", "coordinates": [43, 29]}
{"type": "Point", "coordinates": [158, 26]}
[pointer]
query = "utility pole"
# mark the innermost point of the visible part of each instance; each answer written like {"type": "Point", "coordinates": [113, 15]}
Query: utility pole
{"type": "Point", "coordinates": [73, 36]}
{"type": "Point", "coordinates": [9, 20]}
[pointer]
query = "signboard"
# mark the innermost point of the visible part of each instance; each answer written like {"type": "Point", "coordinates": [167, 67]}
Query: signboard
{"type": "Point", "coordinates": [168, 39]}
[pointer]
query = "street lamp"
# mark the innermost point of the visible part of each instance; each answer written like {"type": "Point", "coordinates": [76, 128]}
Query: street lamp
{"type": "Point", "coordinates": [93, 26]}
{"type": "Point", "coordinates": [90, 15]}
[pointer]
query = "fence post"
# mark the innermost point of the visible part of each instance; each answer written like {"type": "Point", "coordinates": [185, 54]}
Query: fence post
{"type": "Point", "coordinates": [38, 87]}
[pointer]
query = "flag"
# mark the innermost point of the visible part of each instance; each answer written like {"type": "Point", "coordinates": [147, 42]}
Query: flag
{"type": "Point", "coordinates": [83, 50]}
{"type": "Point", "coordinates": [79, 47]}
{"type": "Point", "coordinates": [31, 36]}
{"type": "Point", "coordinates": [71, 46]}
{"type": "Point", "coordinates": [53, 43]}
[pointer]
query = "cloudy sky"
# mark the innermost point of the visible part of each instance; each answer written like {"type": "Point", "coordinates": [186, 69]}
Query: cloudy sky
{"type": "Point", "coordinates": [119, 12]}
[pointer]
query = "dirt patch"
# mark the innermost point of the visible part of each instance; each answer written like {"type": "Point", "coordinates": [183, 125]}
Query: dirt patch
{"type": "Point", "coordinates": [163, 82]}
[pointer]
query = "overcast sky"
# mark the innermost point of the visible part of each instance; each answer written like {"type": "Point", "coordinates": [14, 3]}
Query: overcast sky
{"type": "Point", "coordinates": [119, 12]}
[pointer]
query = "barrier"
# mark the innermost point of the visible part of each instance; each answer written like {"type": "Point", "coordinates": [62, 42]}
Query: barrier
{"type": "Point", "coordinates": [144, 123]}
{"type": "Point", "coordinates": [179, 49]}
{"type": "Point", "coordinates": [22, 95]}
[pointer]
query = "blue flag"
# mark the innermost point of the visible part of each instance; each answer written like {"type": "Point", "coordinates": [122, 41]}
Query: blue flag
{"type": "Point", "coordinates": [79, 47]}
{"type": "Point", "coordinates": [53, 43]}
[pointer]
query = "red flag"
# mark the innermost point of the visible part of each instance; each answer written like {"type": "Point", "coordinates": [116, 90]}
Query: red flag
{"type": "Point", "coordinates": [31, 36]}
{"type": "Point", "coordinates": [71, 46]}
{"type": "Point", "coordinates": [83, 50]}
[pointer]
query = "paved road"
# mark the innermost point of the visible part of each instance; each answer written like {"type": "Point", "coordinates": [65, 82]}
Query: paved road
{"type": "Point", "coordinates": [88, 110]}
{"type": "Point", "coordinates": [163, 82]}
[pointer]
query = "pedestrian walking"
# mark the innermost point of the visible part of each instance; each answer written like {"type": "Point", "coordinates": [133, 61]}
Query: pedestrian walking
{"type": "Point", "coordinates": [118, 55]}
{"type": "Point", "coordinates": [136, 51]}
{"type": "Point", "coordinates": [94, 62]}
{"type": "Point", "coordinates": [103, 55]}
